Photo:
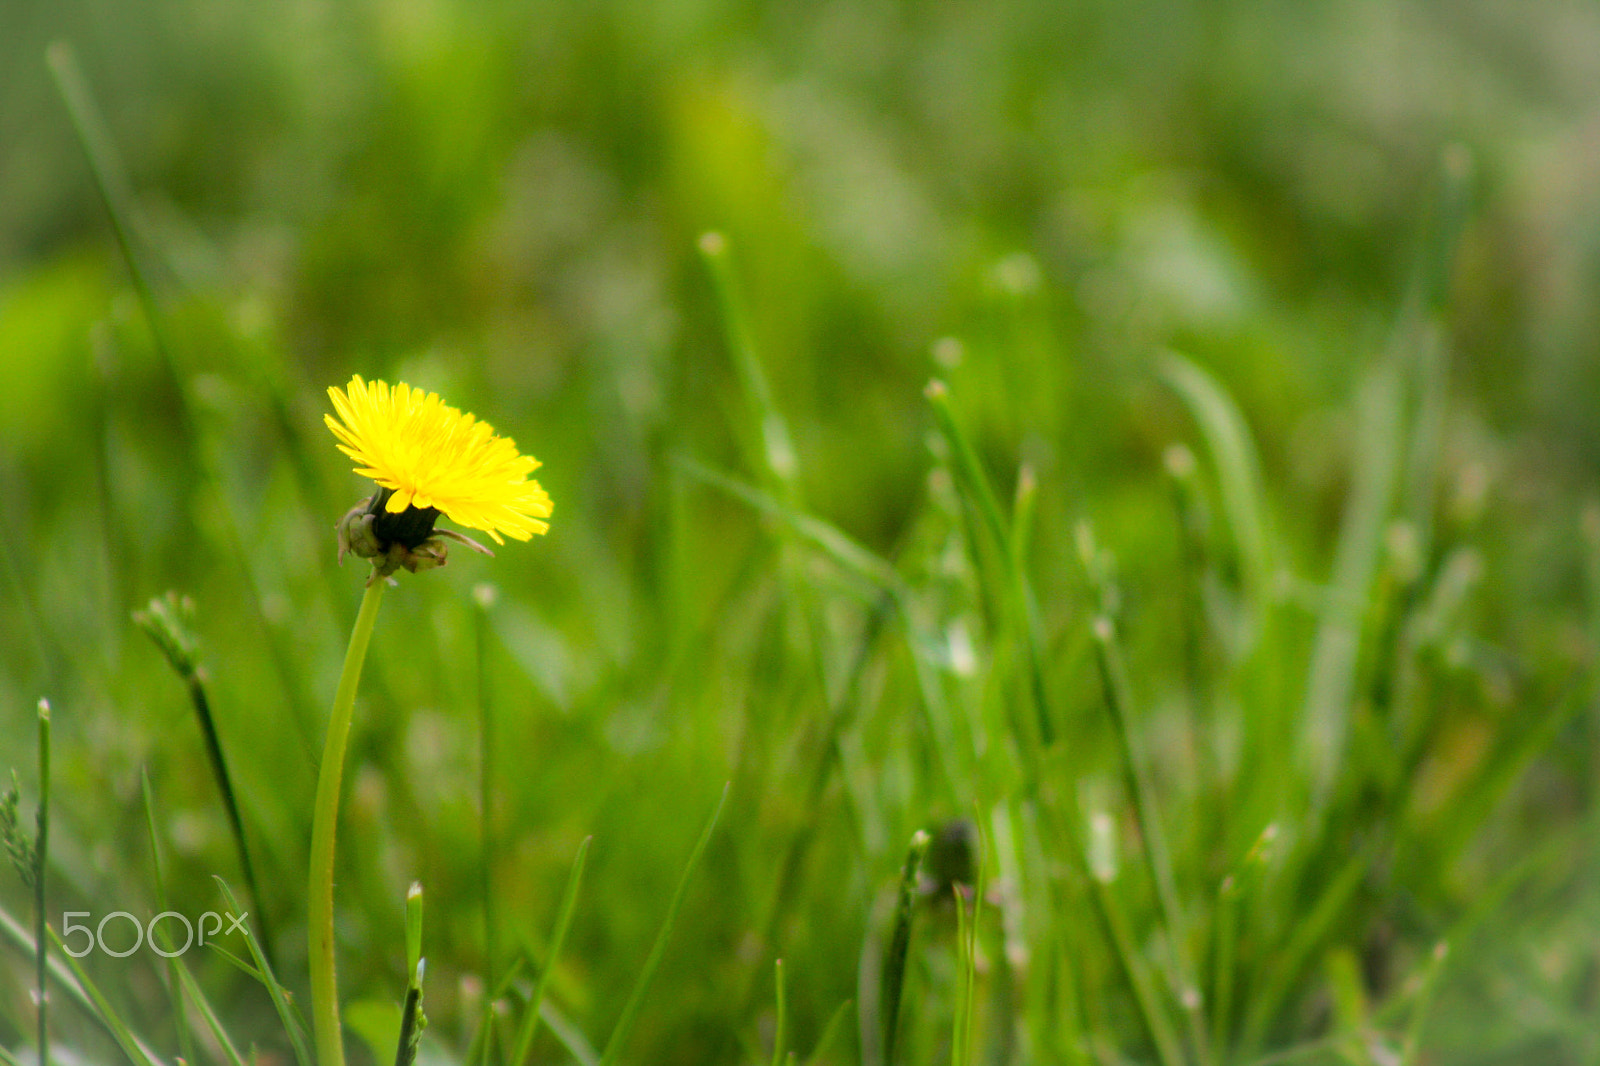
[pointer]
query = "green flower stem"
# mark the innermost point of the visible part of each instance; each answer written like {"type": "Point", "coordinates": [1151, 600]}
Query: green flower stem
{"type": "Point", "coordinates": [324, 822]}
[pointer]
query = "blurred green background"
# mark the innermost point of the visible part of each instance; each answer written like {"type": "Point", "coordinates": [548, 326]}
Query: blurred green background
{"type": "Point", "coordinates": [502, 202]}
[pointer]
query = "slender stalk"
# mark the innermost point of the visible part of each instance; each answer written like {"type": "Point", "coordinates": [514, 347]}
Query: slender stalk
{"type": "Point", "coordinates": [219, 769]}
{"type": "Point", "coordinates": [483, 598]}
{"type": "Point", "coordinates": [324, 822]}
{"type": "Point", "coordinates": [169, 620]}
{"type": "Point", "coordinates": [41, 857]}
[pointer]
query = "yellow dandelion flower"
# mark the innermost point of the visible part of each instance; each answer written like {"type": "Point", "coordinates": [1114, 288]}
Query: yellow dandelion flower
{"type": "Point", "coordinates": [432, 457]}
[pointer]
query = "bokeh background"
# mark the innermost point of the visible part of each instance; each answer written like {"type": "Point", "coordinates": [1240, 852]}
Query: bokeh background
{"type": "Point", "coordinates": [502, 202]}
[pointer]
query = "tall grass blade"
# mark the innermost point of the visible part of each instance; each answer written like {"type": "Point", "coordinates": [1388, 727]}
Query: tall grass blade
{"type": "Point", "coordinates": [101, 1009]}
{"type": "Point", "coordinates": [1333, 660]}
{"type": "Point", "coordinates": [1238, 465]}
{"type": "Point", "coordinates": [830, 1033]}
{"type": "Point", "coordinates": [967, 944]}
{"type": "Point", "coordinates": [1152, 830]}
{"type": "Point", "coordinates": [569, 902]}
{"type": "Point", "coordinates": [293, 1024]}
{"type": "Point", "coordinates": [1120, 927]}
{"type": "Point", "coordinates": [174, 985]}
{"type": "Point", "coordinates": [780, 1036]}
{"type": "Point", "coordinates": [847, 553]}
{"type": "Point", "coordinates": [630, 1010]}
{"type": "Point", "coordinates": [1019, 612]}
{"type": "Point", "coordinates": [41, 862]}
{"type": "Point", "coordinates": [483, 597]}
{"type": "Point", "coordinates": [894, 968]}
{"type": "Point", "coordinates": [110, 178]}
{"type": "Point", "coordinates": [1310, 930]}
{"type": "Point", "coordinates": [412, 1020]}
{"type": "Point", "coordinates": [569, 1036]}
{"type": "Point", "coordinates": [1411, 1049]}
{"type": "Point", "coordinates": [65, 977]}
{"type": "Point", "coordinates": [207, 1012]}
{"type": "Point", "coordinates": [111, 181]}
{"type": "Point", "coordinates": [1236, 894]}
{"type": "Point", "coordinates": [779, 463]}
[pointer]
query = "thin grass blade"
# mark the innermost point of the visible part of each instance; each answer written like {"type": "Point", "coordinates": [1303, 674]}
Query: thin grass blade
{"type": "Point", "coordinates": [293, 1024]}
{"type": "Point", "coordinates": [174, 986]}
{"type": "Point", "coordinates": [1333, 660]}
{"type": "Point", "coordinates": [894, 969]}
{"type": "Point", "coordinates": [830, 1033]}
{"type": "Point", "coordinates": [780, 1036]}
{"type": "Point", "coordinates": [569, 903]}
{"type": "Point", "coordinates": [630, 1010]}
{"type": "Point", "coordinates": [135, 1049]}
{"type": "Point", "coordinates": [1238, 465]}
{"type": "Point", "coordinates": [207, 1012]}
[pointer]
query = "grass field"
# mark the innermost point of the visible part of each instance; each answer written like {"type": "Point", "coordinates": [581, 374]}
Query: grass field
{"type": "Point", "coordinates": [1076, 528]}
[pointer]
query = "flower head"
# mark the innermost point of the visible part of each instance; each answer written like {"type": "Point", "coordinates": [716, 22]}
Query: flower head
{"type": "Point", "coordinates": [431, 458]}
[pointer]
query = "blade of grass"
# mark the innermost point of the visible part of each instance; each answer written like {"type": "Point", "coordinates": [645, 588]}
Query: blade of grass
{"type": "Point", "coordinates": [967, 942]}
{"type": "Point", "coordinates": [412, 1020]}
{"type": "Point", "coordinates": [59, 971]}
{"type": "Point", "coordinates": [1152, 831]}
{"type": "Point", "coordinates": [879, 579]}
{"type": "Point", "coordinates": [483, 597]}
{"type": "Point", "coordinates": [414, 901]}
{"type": "Point", "coordinates": [1332, 679]}
{"type": "Point", "coordinates": [780, 1036]}
{"type": "Point", "coordinates": [848, 554]}
{"type": "Point", "coordinates": [203, 1005]}
{"type": "Point", "coordinates": [830, 1033]}
{"type": "Point", "coordinates": [894, 970]}
{"type": "Point", "coordinates": [1041, 834]}
{"type": "Point", "coordinates": [110, 177]}
{"type": "Point", "coordinates": [1238, 466]}
{"type": "Point", "coordinates": [293, 1024]}
{"type": "Point", "coordinates": [779, 464]}
{"type": "Point", "coordinates": [1169, 1048]}
{"type": "Point", "coordinates": [174, 987]}
{"type": "Point", "coordinates": [116, 194]}
{"type": "Point", "coordinates": [630, 1010]}
{"type": "Point", "coordinates": [1309, 932]}
{"type": "Point", "coordinates": [1019, 611]}
{"type": "Point", "coordinates": [135, 1049]}
{"type": "Point", "coordinates": [569, 1035]}
{"type": "Point", "coordinates": [1419, 1011]}
{"type": "Point", "coordinates": [569, 902]}
{"type": "Point", "coordinates": [1236, 892]}
{"type": "Point", "coordinates": [41, 861]}
{"type": "Point", "coordinates": [841, 714]}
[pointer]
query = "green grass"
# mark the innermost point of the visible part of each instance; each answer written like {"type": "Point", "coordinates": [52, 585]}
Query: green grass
{"type": "Point", "coordinates": [1148, 448]}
